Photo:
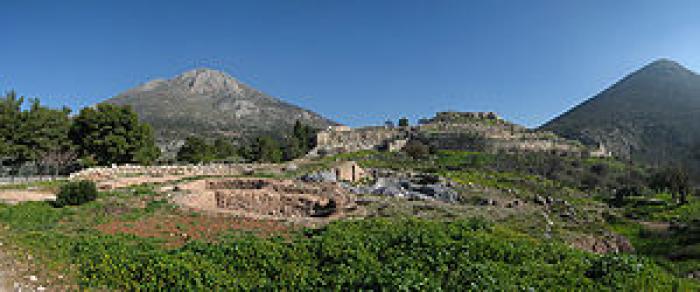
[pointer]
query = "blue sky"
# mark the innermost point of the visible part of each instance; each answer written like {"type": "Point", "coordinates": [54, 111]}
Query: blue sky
{"type": "Point", "coordinates": [357, 62]}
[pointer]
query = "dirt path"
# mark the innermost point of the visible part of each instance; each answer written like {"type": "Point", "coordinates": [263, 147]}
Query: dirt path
{"type": "Point", "coordinates": [18, 196]}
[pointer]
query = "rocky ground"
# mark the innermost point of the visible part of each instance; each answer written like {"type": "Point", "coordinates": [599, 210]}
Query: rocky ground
{"type": "Point", "coordinates": [10, 275]}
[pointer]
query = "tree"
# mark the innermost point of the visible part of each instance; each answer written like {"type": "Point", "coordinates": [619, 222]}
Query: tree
{"type": "Point", "coordinates": [300, 142]}
{"type": "Point", "coordinates": [403, 122]}
{"type": "Point", "coordinates": [195, 150]}
{"type": "Point", "coordinates": [416, 149]}
{"type": "Point", "coordinates": [29, 135]}
{"type": "Point", "coordinates": [43, 130]}
{"type": "Point", "coordinates": [223, 149]}
{"type": "Point", "coordinates": [266, 149]}
{"type": "Point", "coordinates": [10, 119]}
{"type": "Point", "coordinates": [113, 134]}
{"type": "Point", "coordinates": [674, 180]}
{"type": "Point", "coordinates": [56, 160]}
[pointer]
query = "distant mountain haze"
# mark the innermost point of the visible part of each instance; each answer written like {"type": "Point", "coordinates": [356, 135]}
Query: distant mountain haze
{"type": "Point", "coordinates": [211, 103]}
{"type": "Point", "coordinates": [652, 114]}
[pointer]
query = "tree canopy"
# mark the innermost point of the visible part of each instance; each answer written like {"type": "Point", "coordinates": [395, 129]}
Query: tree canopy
{"type": "Point", "coordinates": [113, 134]}
{"type": "Point", "coordinates": [28, 135]}
{"type": "Point", "coordinates": [195, 150]}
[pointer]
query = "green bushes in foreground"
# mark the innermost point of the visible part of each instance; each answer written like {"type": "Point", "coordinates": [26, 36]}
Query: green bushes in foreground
{"type": "Point", "coordinates": [393, 254]}
{"type": "Point", "coordinates": [76, 193]}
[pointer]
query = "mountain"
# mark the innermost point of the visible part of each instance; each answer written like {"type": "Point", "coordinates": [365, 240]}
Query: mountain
{"type": "Point", "coordinates": [652, 114]}
{"type": "Point", "coordinates": [211, 103]}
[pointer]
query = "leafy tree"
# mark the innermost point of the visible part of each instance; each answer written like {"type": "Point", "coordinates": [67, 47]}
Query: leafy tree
{"type": "Point", "coordinates": [403, 122]}
{"type": "Point", "coordinates": [195, 150]}
{"type": "Point", "coordinates": [224, 149]}
{"type": "Point", "coordinates": [10, 119]}
{"type": "Point", "coordinates": [113, 134]}
{"type": "Point", "coordinates": [44, 130]}
{"type": "Point", "coordinates": [57, 160]}
{"type": "Point", "coordinates": [416, 149]}
{"type": "Point", "coordinates": [674, 180]}
{"type": "Point", "coordinates": [266, 149]}
{"type": "Point", "coordinates": [27, 136]}
{"type": "Point", "coordinates": [293, 149]}
{"type": "Point", "coordinates": [301, 141]}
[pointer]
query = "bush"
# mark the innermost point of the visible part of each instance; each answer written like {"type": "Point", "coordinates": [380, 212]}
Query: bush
{"type": "Point", "coordinates": [416, 149]}
{"type": "Point", "coordinates": [76, 193]}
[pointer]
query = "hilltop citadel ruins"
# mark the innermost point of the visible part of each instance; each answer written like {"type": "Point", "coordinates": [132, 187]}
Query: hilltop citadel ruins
{"type": "Point", "coordinates": [471, 131]}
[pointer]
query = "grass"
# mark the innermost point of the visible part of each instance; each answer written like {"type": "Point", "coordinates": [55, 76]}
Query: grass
{"type": "Point", "coordinates": [43, 185]}
{"type": "Point", "coordinates": [49, 233]}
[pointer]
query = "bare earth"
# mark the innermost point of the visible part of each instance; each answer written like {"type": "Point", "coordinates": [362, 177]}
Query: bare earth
{"type": "Point", "coordinates": [17, 196]}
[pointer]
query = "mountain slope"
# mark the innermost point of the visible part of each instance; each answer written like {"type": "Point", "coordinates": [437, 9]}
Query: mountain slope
{"type": "Point", "coordinates": [651, 114]}
{"type": "Point", "coordinates": [211, 103]}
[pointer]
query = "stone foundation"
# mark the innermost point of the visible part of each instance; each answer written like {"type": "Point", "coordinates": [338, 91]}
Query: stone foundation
{"type": "Point", "coordinates": [279, 198]}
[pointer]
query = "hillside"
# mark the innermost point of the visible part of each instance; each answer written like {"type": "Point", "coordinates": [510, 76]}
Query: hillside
{"type": "Point", "coordinates": [652, 114]}
{"type": "Point", "coordinates": [211, 103]}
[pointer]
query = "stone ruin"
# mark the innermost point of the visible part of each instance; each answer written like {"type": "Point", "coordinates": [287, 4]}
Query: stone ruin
{"type": "Point", "coordinates": [104, 173]}
{"type": "Point", "coordinates": [448, 131]}
{"type": "Point", "coordinates": [280, 198]}
{"type": "Point", "coordinates": [343, 139]}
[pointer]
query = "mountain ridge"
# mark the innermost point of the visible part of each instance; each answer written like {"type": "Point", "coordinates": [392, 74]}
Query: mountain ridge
{"type": "Point", "coordinates": [210, 103]}
{"type": "Point", "coordinates": [649, 115]}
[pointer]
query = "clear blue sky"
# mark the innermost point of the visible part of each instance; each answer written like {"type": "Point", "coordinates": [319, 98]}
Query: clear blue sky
{"type": "Point", "coordinates": [357, 62]}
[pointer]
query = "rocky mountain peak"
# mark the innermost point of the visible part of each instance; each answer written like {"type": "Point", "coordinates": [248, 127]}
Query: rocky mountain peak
{"type": "Point", "coordinates": [210, 103]}
{"type": "Point", "coordinates": [208, 81]}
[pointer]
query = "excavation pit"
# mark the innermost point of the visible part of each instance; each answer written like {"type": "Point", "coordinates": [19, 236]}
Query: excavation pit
{"type": "Point", "coordinates": [270, 198]}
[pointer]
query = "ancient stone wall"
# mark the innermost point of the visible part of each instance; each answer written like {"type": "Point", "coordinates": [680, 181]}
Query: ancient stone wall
{"type": "Point", "coordinates": [472, 131]}
{"type": "Point", "coordinates": [279, 198]}
{"type": "Point", "coordinates": [102, 173]}
{"type": "Point", "coordinates": [368, 138]}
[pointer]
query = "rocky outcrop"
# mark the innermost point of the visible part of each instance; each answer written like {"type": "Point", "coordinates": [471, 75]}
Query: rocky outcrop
{"type": "Point", "coordinates": [606, 243]}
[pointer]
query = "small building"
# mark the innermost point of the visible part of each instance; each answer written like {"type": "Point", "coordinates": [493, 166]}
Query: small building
{"type": "Point", "coordinates": [339, 128]}
{"type": "Point", "coordinates": [396, 145]}
{"type": "Point", "coordinates": [349, 171]}
{"type": "Point", "coordinates": [601, 152]}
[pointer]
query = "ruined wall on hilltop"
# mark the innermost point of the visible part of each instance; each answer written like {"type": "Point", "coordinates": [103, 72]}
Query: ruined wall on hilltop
{"type": "Point", "coordinates": [339, 140]}
{"type": "Point", "coordinates": [470, 131]}
{"type": "Point", "coordinates": [488, 133]}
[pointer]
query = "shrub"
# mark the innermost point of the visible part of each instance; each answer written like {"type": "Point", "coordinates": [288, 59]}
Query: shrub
{"type": "Point", "coordinates": [416, 149]}
{"type": "Point", "coordinates": [76, 193]}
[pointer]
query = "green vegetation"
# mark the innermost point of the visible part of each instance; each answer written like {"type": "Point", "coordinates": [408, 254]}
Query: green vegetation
{"type": "Point", "coordinates": [266, 149]}
{"type": "Point", "coordinates": [398, 254]}
{"type": "Point", "coordinates": [40, 140]}
{"type": "Point", "coordinates": [76, 193]}
{"type": "Point", "coordinates": [297, 144]}
{"type": "Point", "coordinates": [302, 139]}
{"type": "Point", "coordinates": [196, 150]}
{"type": "Point", "coordinates": [416, 149]}
{"type": "Point", "coordinates": [34, 140]}
{"type": "Point", "coordinates": [113, 134]}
